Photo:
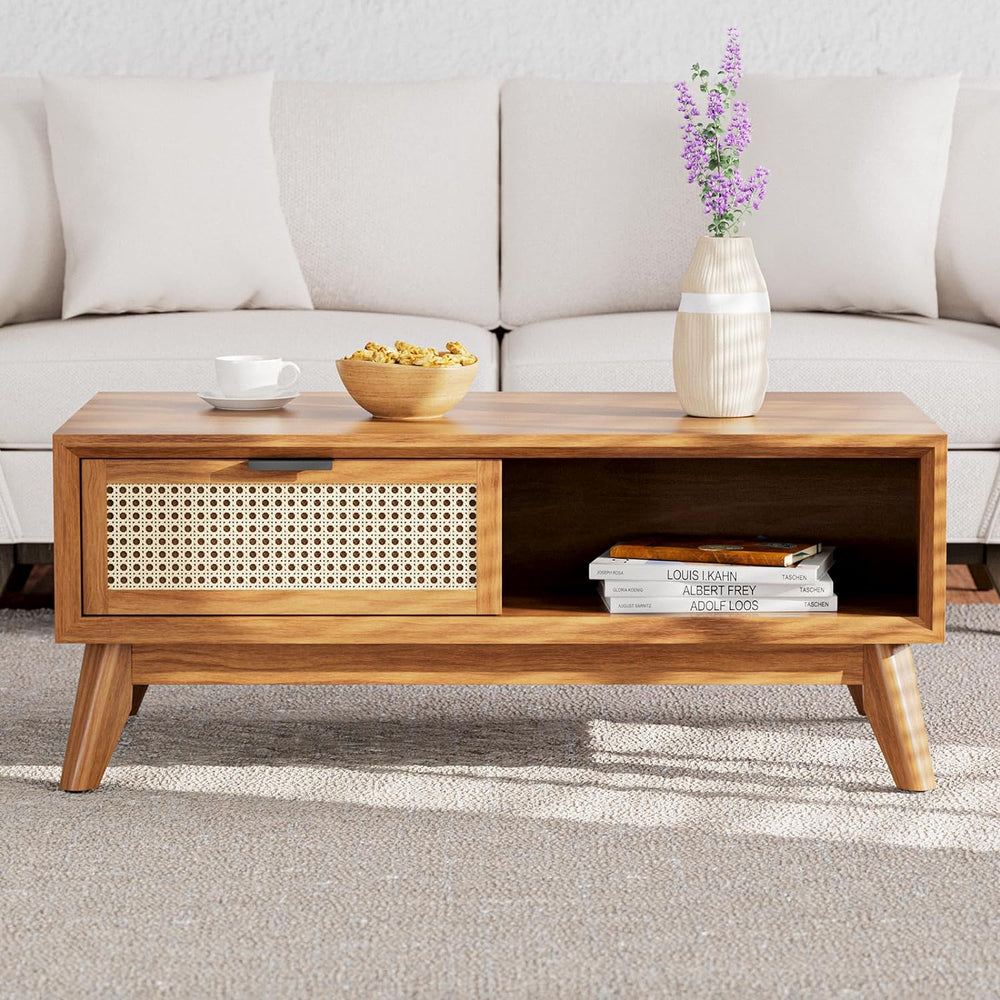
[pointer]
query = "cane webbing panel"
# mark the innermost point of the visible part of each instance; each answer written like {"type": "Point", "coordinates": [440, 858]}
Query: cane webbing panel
{"type": "Point", "coordinates": [291, 536]}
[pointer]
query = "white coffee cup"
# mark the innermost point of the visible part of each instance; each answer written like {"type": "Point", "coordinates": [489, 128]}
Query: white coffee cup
{"type": "Point", "coordinates": [254, 375]}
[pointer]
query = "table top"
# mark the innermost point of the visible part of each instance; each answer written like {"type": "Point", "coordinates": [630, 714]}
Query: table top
{"type": "Point", "coordinates": [501, 425]}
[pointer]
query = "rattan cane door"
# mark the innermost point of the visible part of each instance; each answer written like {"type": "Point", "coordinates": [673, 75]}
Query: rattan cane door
{"type": "Point", "coordinates": [364, 537]}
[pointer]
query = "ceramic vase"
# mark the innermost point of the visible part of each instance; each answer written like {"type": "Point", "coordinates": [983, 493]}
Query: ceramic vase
{"type": "Point", "coordinates": [723, 323]}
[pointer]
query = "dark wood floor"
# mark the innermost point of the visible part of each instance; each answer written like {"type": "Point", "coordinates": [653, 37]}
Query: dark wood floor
{"type": "Point", "coordinates": [961, 589]}
{"type": "Point", "coordinates": [31, 587]}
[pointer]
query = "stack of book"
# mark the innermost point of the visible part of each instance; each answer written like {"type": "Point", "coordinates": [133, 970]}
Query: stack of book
{"type": "Point", "coordinates": [663, 574]}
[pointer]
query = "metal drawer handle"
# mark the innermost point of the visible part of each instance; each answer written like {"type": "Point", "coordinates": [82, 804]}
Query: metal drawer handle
{"type": "Point", "coordinates": [289, 464]}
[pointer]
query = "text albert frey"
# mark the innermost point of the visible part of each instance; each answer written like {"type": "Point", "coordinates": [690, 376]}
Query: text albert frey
{"type": "Point", "coordinates": [707, 589]}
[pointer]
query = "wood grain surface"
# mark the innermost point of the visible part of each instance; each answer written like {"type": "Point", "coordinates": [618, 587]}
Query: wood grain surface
{"type": "Point", "coordinates": [455, 664]}
{"type": "Point", "coordinates": [892, 704]}
{"type": "Point", "coordinates": [933, 531]}
{"type": "Point", "coordinates": [500, 425]}
{"type": "Point", "coordinates": [489, 538]}
{"type": "Point", "coordinates": [103, 703]}
{"type": "Point", "coordinates": [67, 550]}
{"type": "Point", "coordinates": [559, 620]}
{"type": "Point", "coordinates": [347, 470]}
{"type": "Point", "coordinates": [405, 392]}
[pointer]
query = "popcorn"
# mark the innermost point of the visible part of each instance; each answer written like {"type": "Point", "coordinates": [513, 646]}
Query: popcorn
{"type": "Point", "coordinates": [455, 355]}
{"type": "Point", "coordinates": [457, 350]}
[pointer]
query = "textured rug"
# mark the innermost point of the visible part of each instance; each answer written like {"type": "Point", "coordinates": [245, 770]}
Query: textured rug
{"type": "Point", "coordinates": [500, 842]}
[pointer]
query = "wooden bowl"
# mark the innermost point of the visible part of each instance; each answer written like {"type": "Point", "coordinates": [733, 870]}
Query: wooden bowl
{"type": "Point", "coordinates": [405, 392]}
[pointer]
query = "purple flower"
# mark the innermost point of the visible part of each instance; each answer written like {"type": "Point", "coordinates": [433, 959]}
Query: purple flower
{"type": "Point", "coordinates": [720, 193]}
{"type": "Point", "coordinates": [739, 131]}
{"type": "Point", "coordinates": [731, 68]}
{"type": "Point", "coordinates": [757, 186]}
{"type": "Point", "coordinates": [685, 102]}
{"type": "Point", "coordinates": [695, 153]}
{"type": "Point", "coordinates": [714, 143]}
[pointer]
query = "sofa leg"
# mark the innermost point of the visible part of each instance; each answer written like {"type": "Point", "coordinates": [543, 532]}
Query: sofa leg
{"type": "Point", "coordinates": [981, 576]}
{"type": "Point", "coordinates": [992, 557]}
{"type": "Point", "coordinates": [6, 564]}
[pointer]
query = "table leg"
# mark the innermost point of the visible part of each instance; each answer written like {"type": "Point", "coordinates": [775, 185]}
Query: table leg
{"type": "Point", "coordinates": [138, 693]}
{"type": "Point", "coordinates": [103, 703]}
{"type": "Point", "coordinates": [892, 703]}
{"type": "Point", "coordinates": [857, 694]}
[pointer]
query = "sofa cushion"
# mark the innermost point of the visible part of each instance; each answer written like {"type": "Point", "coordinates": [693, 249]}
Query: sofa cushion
{"type": "Point", "coordinates": [598, 217]}
{"type": "Point", "coordinates": [168, 195]}
{"type": "Point", "coordinates": [31, 245]}
{"type": "Point", "coordinates": [391, 194]}
{"type": "Point", "coordinates": [858, 167]}
{"type": "Point", "coordinates": [390, 191]}
{"type": "Point", "coordinates": [950, 369]}
{"type": "Point", "coordinates": [596, 212]}
{"type": "Point", "coordinates": [51, 368]}
{"type": "Point", "coordinates": [25, 496]}
{"type": "Point", "coordinates": [968, 252]}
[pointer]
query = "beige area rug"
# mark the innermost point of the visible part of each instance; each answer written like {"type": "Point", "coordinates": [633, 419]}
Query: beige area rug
{"type": "Point", "coordinates": [500, 842]}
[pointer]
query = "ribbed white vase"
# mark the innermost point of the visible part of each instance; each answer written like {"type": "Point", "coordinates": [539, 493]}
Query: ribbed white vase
{"type": "Point", "coordinates": [723, 323]}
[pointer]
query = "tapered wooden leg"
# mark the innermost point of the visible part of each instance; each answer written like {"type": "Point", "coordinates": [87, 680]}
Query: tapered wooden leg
{"type": "Point", "coordinates": [981, 577]}
{"type": "Point", "coordinates": [138, 693]}
{"type": "Point", "coordinates": [892, 703]}
{"type": "Point", "coordinates": [857, 694]}
{"type": "Point", "coordinates": [103, 702]}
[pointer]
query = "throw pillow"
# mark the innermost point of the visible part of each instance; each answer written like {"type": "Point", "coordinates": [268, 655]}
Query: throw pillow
{"type": "Point", "coordinates": [31, 244]}
{"type": "Point", "coordinates": [168, 195]}
{"type": "Point", "coordinates": [858, 170]}
{"type": "Point", "coordinates": [968, 254]}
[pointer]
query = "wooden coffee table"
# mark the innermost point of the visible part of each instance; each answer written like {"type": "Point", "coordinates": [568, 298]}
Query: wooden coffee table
{"type": "Point", "coordinates": [313, 545]}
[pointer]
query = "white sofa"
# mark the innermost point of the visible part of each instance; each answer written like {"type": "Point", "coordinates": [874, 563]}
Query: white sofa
{"type": "Point", "coordinates": [396, 196]}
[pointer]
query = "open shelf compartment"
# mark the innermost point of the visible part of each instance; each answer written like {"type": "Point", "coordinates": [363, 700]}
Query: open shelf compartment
{"type": "Point", "coordinates": [558, 514]}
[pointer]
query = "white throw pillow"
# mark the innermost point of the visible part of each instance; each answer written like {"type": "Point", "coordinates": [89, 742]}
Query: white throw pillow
{"type": "Point", "coordinates": [31, 244]}
{"type": "Point", "coordinates": [968, 251]}
{"type": "Point", "coordinates": [858, 169]}
{"type": "Point", "coordinates": [168, 195]}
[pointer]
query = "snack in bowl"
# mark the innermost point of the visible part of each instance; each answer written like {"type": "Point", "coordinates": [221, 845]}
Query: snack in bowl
{"type": "Point", "coordinates": [408, 382]}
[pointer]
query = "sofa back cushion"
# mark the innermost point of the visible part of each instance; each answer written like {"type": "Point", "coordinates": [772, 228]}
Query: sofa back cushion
{"type": "Point", "coordinates": [968, 250]}
{"type": "Point", "coordinates": [598, 216]}
{"type": "Point", "coordinates": [390, 192]}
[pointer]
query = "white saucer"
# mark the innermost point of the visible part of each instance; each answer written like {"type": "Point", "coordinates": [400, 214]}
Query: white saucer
{"type": "Point", "coordinates": [220, 402]}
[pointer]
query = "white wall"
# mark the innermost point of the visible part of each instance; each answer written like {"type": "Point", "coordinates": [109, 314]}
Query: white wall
{"type": "Point", "coordinates": [414, 39]}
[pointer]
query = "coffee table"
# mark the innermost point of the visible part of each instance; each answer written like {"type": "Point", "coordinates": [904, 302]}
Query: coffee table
{"type": "Point", "coordinates": [314, 545]}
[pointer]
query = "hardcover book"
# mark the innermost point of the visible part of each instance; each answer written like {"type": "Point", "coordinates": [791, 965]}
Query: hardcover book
{"type": "Point", "coordinates": [706, 549]}
{"type": "Point", "coordinates": [820, 587]}
{"type": "Point", "coordinates": [716, 605]}
{"type": "Point", "coordinates": [605, 567]}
